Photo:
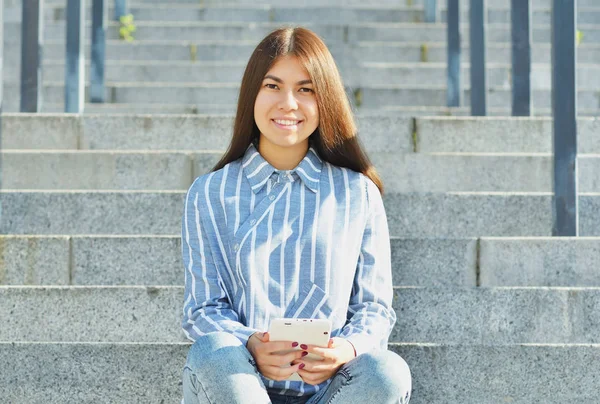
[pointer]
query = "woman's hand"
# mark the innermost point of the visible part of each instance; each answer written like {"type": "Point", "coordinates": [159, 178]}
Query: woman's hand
{"type": "Point", "coordinates": [339, 352]}
{"type": "Point", "coordinates": [270, 363]}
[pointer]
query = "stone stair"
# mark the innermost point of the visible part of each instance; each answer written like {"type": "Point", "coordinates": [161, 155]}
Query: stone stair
{"type": "Point", "coordinates": [491, 309]}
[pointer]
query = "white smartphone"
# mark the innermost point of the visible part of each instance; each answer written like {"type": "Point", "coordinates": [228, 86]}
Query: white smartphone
{"type": "Point", "coordinates": [309, 331]}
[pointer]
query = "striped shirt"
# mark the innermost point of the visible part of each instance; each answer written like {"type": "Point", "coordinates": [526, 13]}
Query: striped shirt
{"type": "Point", "coordinates": [312, 242]}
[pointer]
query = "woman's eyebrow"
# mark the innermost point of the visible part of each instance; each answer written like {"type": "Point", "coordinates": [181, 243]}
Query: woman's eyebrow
{"type": "Point", "coordinates": [278, 80]}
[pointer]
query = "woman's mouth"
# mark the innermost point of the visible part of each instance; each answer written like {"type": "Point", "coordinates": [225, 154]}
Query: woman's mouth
{"type": "Point", "coordinates": [286, 124]}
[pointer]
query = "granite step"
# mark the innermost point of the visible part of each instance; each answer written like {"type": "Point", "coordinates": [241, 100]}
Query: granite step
{"type": "Point", "coordinates": [452, 316]}
{"type": "Point", "coordinates": [400, 172]}
{"type": "Point", "coordinates": [331, 33]}
{"type": "Point", "coordinates": [354, 75]}
{"type": "Point", "coordinates": [226, 94]}
{"type": "Point", "coordinates": [130, 372]}
{"type": "Point", "coordinates": [427, 262]}
{"type": "Point", "coordinates": [240, 51]}
{"type": "Point", "coordinates": [195, 133]}
{"type": "Point", "coordinates": [313, 3]}
{"type": "Point", "coordinates": [298, 14]}
{"type": "Point", "coordinates": [227, 109]}
{"type": "Point", "coordinates": [146, 132]}
{"type": "Point", "coordinates": [439, 215]}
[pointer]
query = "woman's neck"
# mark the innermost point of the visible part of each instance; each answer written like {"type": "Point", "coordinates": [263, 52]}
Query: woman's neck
{"type": "Point", "coordinates": [283, 158]}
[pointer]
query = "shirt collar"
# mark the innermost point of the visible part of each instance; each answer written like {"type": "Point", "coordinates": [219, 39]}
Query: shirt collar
{"type": "Point", "coordinates": [309, 169]}
{"type": "Point", "coordinates": [258, 170]}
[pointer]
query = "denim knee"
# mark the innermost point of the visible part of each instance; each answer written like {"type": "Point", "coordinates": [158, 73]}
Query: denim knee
{"type": "Point", "coordinates": [210, 348]}
{"type": "Point", "coordinates": [390, 373]}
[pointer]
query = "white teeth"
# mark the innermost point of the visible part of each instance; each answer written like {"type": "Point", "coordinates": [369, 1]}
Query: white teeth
{"type": "Point", "coordinates": [287, 123]}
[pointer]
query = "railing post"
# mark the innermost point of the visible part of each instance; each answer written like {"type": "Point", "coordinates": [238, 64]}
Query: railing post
{"type": "Point", "coordinates": [520, 11]}
{"type": "Point", "coordinates": [31, 55]}
{"type": "Point", "coordinates": [120, 9]}
{"type": "Point", "coordinates": [477, 23]}
{"type": "Point", "coordinates": [74, 66]}
{"type": "Point", "coordinates": [97, 93]}
{"type": "Point", "coordinates": [454, 90]}
{"type": "Point", "coordinates": [564, 111]}
{"type": "Point", "coordinates": [431, 11]}
{"type": "Point", "coordinates": [1, 88]}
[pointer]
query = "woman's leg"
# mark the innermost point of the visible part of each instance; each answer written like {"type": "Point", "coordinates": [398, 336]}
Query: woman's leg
{"type": "Point", "coordinates": [220, 370]}
{"type": "Point", "coordinates": [378, 377]}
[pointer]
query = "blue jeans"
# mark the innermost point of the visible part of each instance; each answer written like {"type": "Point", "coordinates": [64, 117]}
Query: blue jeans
{"type": "Point", "coordinates": [220, 370]}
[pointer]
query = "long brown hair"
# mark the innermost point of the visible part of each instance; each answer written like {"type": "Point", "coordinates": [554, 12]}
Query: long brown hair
{"type": "Point", "coordinates": [335, 139]}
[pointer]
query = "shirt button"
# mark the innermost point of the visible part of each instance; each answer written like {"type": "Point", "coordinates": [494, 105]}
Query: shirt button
{"type": "Point", "coordinates": [272, 197]}
{"type": "Point", "coordinates": [252, 222]}
{"type": "Point", "coordinates": [236, 247]}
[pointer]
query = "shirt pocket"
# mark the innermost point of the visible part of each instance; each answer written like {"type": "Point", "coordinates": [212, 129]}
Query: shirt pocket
{"type": "Point", "coordinates": [312, 302]}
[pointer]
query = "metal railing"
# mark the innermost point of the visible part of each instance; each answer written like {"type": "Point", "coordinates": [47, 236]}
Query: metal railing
{"type": "Point", "coordinates": [564, 94]}
{"type": "Point", "coordinates": [32, 51]}
{"type": "Point", "coordinates": [564, 91]}
{"type": "Point", "coordinates": [564, 110]}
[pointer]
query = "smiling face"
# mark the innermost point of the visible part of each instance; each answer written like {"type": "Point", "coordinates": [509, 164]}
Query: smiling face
{"type": "Point", "coordinates": [285, 110]}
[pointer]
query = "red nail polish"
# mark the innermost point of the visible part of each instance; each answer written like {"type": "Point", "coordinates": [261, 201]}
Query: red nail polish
{"type": "Point", "coordinates": [304, 346]}
{"type": "Point", "coordinates": [304, 353]}
{"type": "Point", "coordinates": [294, 344]}
{"type": "Point", "coordinates": [301, 366]}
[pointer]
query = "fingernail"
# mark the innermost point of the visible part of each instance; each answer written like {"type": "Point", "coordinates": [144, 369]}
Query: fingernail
{"type": "Point", "coordinates": [304, 346]}
{"type": "Point", "coordinates": [301, 366]}
{"type": "Point", "coordinates": [304, 353]}
{"type": "Point", "coordinates": [294, 344]}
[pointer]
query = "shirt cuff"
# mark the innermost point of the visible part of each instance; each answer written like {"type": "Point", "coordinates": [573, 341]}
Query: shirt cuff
{"type": "Point", "coordinates": [244, 333]}
{"type": "Point", "coordinates": [362, 343]}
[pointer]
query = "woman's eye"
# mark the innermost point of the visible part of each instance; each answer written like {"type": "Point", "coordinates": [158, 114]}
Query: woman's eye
{"type": "Point", "coordinates": [269, 85]}
{"type": "Point", "coordinates": [308, 90]}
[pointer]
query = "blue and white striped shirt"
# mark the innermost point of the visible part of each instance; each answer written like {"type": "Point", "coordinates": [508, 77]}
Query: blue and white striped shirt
{"type": "Point", "coordinates": [311, 242]}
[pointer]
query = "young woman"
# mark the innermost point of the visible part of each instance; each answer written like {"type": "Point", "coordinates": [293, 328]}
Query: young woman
{"type": "Point", "coordinates": [290, 223]}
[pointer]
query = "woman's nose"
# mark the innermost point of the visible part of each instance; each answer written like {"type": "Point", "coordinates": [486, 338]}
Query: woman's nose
{"type": "Point", "coordinates": [288, 101]}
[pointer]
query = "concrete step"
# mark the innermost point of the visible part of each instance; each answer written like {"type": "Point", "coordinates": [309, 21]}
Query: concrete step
{"type": "Point", "coordinates": [454, 215]}
{"type": "Point", "coordinates": [355, 75]}
{"type": "Point", "coordinates": [452, 262]}
{"type": "Point", "coordinates": [145, 132]}
{"type": "Point", "coordinates": [130, 372]}
{"type": "Point", "coordinates": [379, 133]}
{"type": "Point", "coordinates": [496, 315]}
{"type": "Point", "coordinates": [370, 97]}
{"type": "Point", "coordinates": [344, 54]}
{"type": "Point", "coordinates": [425, 315]}
{"type": "Point", "coordinates": [297, 14]}
{"type": "Point", "coordinates": [401, 172]}
{"type": "Point", "coordinates": [531, 262]}
{"type": "Point", "coordinates": [97, 170]}
{"type": "Point", "coordinates": [482, 214]}
{"type": "Point", "coordinates": [425, 95]}
{"type": "Point", "coordinates": [91, 372]}
{"type": "Point", "coordinates": [156, 260]}
{"type": "Point", "coordinates": [204, 109]}
{"type": "Point", "coordinates": [339, 3]}
{"type": "Point", "coordinates": [331, 33]}
{"type": "Point", "coordinates": [535, 4]}
{"type": "Point", "coordinates": [467, 172]}
{"type": "Point", "coordinates": [498, 135]}
{"type": "Point", "coordinates": [516, 373]}
{"type": "Point", "coordinates": [263, 13]}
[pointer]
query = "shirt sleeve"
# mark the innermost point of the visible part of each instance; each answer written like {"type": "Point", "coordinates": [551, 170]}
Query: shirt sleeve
{"type": "Point", "coordinates": [370, 312]}
{"type": "Point", "coordinates": [207, 307]}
